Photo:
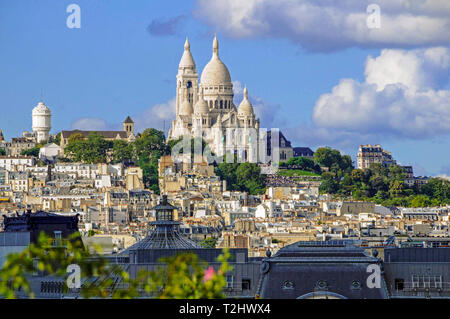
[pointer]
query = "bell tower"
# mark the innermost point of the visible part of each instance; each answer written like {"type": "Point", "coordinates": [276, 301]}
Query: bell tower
{"type": "Point", "coordinates": [128, 126]}
{"type": "Point", "coordinates": [187, 78]}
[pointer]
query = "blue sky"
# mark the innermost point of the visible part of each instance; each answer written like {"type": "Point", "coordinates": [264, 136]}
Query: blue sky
{"type": "Point", "coordinates": [124, 58]}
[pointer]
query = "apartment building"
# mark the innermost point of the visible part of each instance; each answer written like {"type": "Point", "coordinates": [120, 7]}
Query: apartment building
{"type": "Point", "coordinates": [371, 154]}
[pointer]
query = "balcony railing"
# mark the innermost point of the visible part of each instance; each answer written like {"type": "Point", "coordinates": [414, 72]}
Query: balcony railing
{"type": "Point", "coordinates": [421, 289]}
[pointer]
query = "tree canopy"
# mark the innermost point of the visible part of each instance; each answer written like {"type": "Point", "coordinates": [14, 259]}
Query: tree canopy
{"type": "Point", "coordinates": [183, 276]}
{"type": "Point", "coordinates": [34, 151]}
{"type": "Point", "coordinates": [386, 185]}
{"type": "Point", "coordinates": [245, 177]}
{"type": "Point", "coordinates": [92, 150]}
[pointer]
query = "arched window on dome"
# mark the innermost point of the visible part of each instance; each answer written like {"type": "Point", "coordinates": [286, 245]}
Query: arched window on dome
{"type": "Point", "coordinates": [215, 104]}
{"type": "Point", "coordinates": [221, 104]}
{"type": "Point", "coordinates": [210, 104]}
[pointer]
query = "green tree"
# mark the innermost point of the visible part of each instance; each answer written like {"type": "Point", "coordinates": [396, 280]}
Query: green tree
{"type": "Point", "coordinates": [57, 139]}
{"type": "Point", "coordinates": [2, 152]}
{"type": "Point", "coordinates": [151, 140]}
{"type": "Point", "coordinates": [302, 163]}
{"type": "Point", "coordinates": [97, 148]}
{"type": "Point", "coordinates": [148, 149]}
{"type": "Point", "coordinates": [328, 183]}
{"type": "Point", "coordinates": [122, 151]}
{"type": "Point", "coordinates": [326, 156]}
{"type": "Point", "coordinates": [34, 151]}
{"type": "Point", "coordinates": [249, 178]}
{"type": "Point", "coordinates": [437, 188]}
{"type": "Point", "coordinates": [357, 176]}
{"type": "Point", "coordinates": [396, 188]}
{"type": "Point", "coordinates": [209, 243]}
{"type": "Point", "coordinates": [75, 147]}
{"type": "Point", "coordinates": [421, 201]}
{"type": "Point", "coordinates": [397, 173]}
{"type": "Point", "coordinates": [185, 275]}
{"type": "Point", "coordinates": [227, 171]}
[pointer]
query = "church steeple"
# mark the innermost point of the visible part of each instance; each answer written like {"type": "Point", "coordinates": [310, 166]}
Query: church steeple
{"type": "Point", "coordinates": [187, 78]}
{"type": "Point", "coordinates": [187, 61]}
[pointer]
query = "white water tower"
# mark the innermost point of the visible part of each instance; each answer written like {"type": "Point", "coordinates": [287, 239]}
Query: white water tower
{"type": "Point", "coordinates": [41, 116]}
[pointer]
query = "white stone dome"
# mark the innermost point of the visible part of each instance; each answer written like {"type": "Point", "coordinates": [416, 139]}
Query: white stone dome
{"type": "Point", "coordinates": [201, 107]}
{"type": "Point", "coordinates": [41, 109]}
{"type": "Point", "coordinates": [215, 72]}
{"type": "Point", "coordinates": [187, 61]}
{"type": "Point", "coordinates": [246, 107]}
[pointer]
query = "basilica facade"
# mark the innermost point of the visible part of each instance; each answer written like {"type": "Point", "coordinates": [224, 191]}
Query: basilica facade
{"type": "Point", "coordinates": [205, 108]}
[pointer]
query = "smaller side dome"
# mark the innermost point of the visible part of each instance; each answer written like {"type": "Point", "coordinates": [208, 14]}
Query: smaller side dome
{"type": "Point", "coordinates": [245, 108]}
{"type": "Point", "coordinates": [186, 107]}
{"type": "Point", "coordinates": [201, 107]}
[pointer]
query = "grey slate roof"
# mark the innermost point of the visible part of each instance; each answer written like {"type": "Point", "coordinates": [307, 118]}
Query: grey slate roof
{"type": "Point", "coordinates": [105, 134]}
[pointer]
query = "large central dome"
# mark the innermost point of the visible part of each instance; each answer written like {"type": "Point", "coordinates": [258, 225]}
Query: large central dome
{"type": "Point", "coordinates": [215, 72]}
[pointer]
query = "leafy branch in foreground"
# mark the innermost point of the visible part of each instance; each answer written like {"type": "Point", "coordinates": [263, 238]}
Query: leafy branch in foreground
{"type": "Point", "coordinates": [184, 276]}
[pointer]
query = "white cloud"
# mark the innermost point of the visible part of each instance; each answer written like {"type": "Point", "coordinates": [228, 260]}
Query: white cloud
{"type": "Point", "coordinates": [418, 69]}
{"type": "Point", "coordinates": [403, 97]}
{"type": "Point", "coordinates": [327, 25]}
{"type": "Point", "coordinates": [158, 116]}
{"type": "Point", "coordinates": [90, 123]}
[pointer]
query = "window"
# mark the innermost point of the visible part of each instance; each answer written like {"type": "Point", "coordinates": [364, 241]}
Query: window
{"type": "Point", "coordinates": [426, 281]}
{"type": "Point", "coordinates": [229, 281]}
{"type": "Point", "coordinates": [399, 283]}
{"type": "Point", "coordinates": [437, 281]}
{"type": "Point", "coordinates": [246, 284]}
{"type": "Point", "coordinates": [58, 236]}
{"type": "Point", "coordinates": [415, 281]}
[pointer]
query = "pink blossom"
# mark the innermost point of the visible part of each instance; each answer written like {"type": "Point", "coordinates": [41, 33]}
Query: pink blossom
{"type": "Point", "coordinates": [209, 273]}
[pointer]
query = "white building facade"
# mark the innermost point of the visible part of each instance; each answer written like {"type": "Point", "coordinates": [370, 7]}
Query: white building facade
{"type": "Point", "coordinates": [206, 109]}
